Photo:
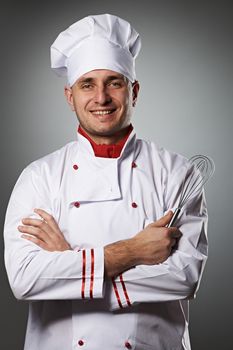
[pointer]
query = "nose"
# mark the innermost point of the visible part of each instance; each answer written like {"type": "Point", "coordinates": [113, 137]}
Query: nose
{"type": "Point", "coordinates": [102, 96]}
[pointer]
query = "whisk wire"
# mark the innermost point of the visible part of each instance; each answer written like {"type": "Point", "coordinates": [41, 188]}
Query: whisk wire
{"type": "Point", "coordinates": [192, 186]}
{"type": "Point", "coordinates": [196, 177]}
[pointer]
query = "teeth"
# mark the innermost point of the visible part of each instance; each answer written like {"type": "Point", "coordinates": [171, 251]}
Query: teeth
{"type": "Point", "coordinates": [102, 112]}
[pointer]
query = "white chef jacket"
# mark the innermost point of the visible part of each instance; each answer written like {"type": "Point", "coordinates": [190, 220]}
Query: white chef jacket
{"type": "Point", "coordinates": [97, 201]}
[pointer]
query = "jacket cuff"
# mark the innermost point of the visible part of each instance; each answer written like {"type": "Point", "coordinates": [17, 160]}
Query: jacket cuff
{"type": "Point", "coordinates": [92, 273]}
{"type": "Point", "coordinates": [120, 297]}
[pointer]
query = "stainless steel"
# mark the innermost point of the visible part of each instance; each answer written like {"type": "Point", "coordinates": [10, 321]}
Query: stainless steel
{"type": "Point", "coordinates": [174, 217]}
{"type": "Point", "coordinates": [196, 177]}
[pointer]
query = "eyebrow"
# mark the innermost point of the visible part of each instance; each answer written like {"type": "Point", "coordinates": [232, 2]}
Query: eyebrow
{"type": "Point", "coordinates": [85, 80]}
{"type": "Point", "coordinates": [109, 78]}
{"type": "Point", "coordinates": [115, 77]}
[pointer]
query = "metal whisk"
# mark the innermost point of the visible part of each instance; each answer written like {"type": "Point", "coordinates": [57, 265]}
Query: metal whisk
{"type": "Point", "coordinates": [201, 171]}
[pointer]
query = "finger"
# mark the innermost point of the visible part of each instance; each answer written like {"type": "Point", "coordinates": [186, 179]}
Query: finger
{"type": "Point", "coordinates": [162, 222]}
{"type": "Point", "coordinates": [41, 224]}
{"type": "Point", "coordinates": [35, 240]}
{"type": "Point", "coordinates": [34, 231]}
{"type": "Point", "coordinates": [176, 233]}
{"type": "Point", "coordinates": [47, 217]}
{"type": "Point", "coordinates": [34, 222]}
{"type": "Point", "coordinates": [173, 231]}
{"type": "Point", "coordinates": [173, 242]}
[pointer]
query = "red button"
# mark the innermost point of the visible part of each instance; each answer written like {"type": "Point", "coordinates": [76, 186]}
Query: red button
{"type": "Point", "coordinates": [128, 345]}
{"type": "Point", "coordinates": [77, 204]}
{"type": "Point", "coordinates": [134, 205]}
{"type": "Point", "coordinates": [80, 342]}
{"type": "Point", "coordinates": [134, 165]}
{"type": "Point", "coordinates": [75, 166]}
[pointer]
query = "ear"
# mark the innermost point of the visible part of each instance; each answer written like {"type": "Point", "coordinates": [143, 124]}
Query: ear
{"type": "Point", "coordinates": [69, 96]}
{"type": "Point", "coordinates": [135, 90]}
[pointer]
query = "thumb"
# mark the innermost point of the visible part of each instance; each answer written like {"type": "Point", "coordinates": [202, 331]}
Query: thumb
{"type": "Point", "coordinates": [163, 221]}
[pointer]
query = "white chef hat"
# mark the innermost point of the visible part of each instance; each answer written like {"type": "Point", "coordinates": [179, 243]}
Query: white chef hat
{"type": "Point", "coordinates": [96, 42]}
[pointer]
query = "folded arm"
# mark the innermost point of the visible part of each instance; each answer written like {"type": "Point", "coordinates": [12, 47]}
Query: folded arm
{"type": "Point", "coordinates": [47, 270]}
{"type": "Point", "coordinates": [176, 278]}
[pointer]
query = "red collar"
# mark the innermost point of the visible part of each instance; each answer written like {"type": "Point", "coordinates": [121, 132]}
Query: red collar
{"type": "Point", "coordinates": [106, 151]}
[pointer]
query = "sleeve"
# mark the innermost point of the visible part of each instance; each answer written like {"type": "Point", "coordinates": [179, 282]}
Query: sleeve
{"type": "Point", "coordinates": [36, 274]}
{"type": "Point", "coordinates": [179, 276]}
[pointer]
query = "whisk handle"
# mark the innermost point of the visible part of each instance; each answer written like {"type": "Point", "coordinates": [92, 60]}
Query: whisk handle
{"type": "Point", "coordinates": [175, 216]}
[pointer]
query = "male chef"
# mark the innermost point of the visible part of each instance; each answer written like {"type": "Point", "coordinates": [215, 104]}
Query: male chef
{"type": "Point", "coordinates": [86, 236]}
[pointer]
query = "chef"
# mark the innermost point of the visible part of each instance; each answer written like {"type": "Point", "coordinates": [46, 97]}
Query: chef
{"type": "Point", "coordinates": [86, 236]}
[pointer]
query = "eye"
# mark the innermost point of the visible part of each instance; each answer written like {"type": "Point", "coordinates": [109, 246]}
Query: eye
{"type": "Point", "coordinates": [116, 84]}
{"type": "Point", "coordinates": [86, 86]}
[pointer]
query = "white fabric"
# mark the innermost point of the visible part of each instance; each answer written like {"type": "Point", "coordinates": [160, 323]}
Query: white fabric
{"type": "Point", "coordinates": [154, 298]}
{"type": "Point", "coordinates": [96, 42]}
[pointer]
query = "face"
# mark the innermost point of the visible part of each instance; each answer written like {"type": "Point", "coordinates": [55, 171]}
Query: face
{"type": "Point", "coordinates": [103, 101]}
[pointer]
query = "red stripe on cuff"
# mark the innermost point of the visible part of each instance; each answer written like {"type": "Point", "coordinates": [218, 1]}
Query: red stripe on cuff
{"type": "Point", "coordinates": [92, 273]}
{"type": "Point", "coordinates": [116, 292]}
{"type": "Point", "coordinates": [83, 274]}
{"type": "Point", "coordinates": [125, 291]}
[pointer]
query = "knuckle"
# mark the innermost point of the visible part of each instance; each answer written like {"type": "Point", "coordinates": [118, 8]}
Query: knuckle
{"type": "Point", "coordinates": [167, 243]}
{"type": "Point", "coordinates": [40, 223]}
{"type": "Point", "coordinates": [38, 232]}
{"type": "Point", "coordinates": [166, 232]}
{"type": "Point", "coordinates": [33, 239]}
{"type": "Point", "coordinates": [49, 217]}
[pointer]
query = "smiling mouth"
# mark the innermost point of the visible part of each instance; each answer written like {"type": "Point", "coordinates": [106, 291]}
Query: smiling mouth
{"type": "Point", "coordinates": [103, 112]}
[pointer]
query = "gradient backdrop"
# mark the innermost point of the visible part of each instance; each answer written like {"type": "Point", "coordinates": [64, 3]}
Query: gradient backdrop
{"type": "Point", "coordinates": [185, 104]}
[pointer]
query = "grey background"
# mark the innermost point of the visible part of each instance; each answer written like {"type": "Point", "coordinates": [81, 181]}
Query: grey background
{"type": "Point", "coordinates": [185, 104]}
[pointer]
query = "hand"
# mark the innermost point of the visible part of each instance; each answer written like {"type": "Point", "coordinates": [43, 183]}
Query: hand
{"type": "Point", "coordinates": [44, 232]}
{"type": "Point", "coordinates": [154, 244]}
{"type": "Point", "coordinates": [150, 246]}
